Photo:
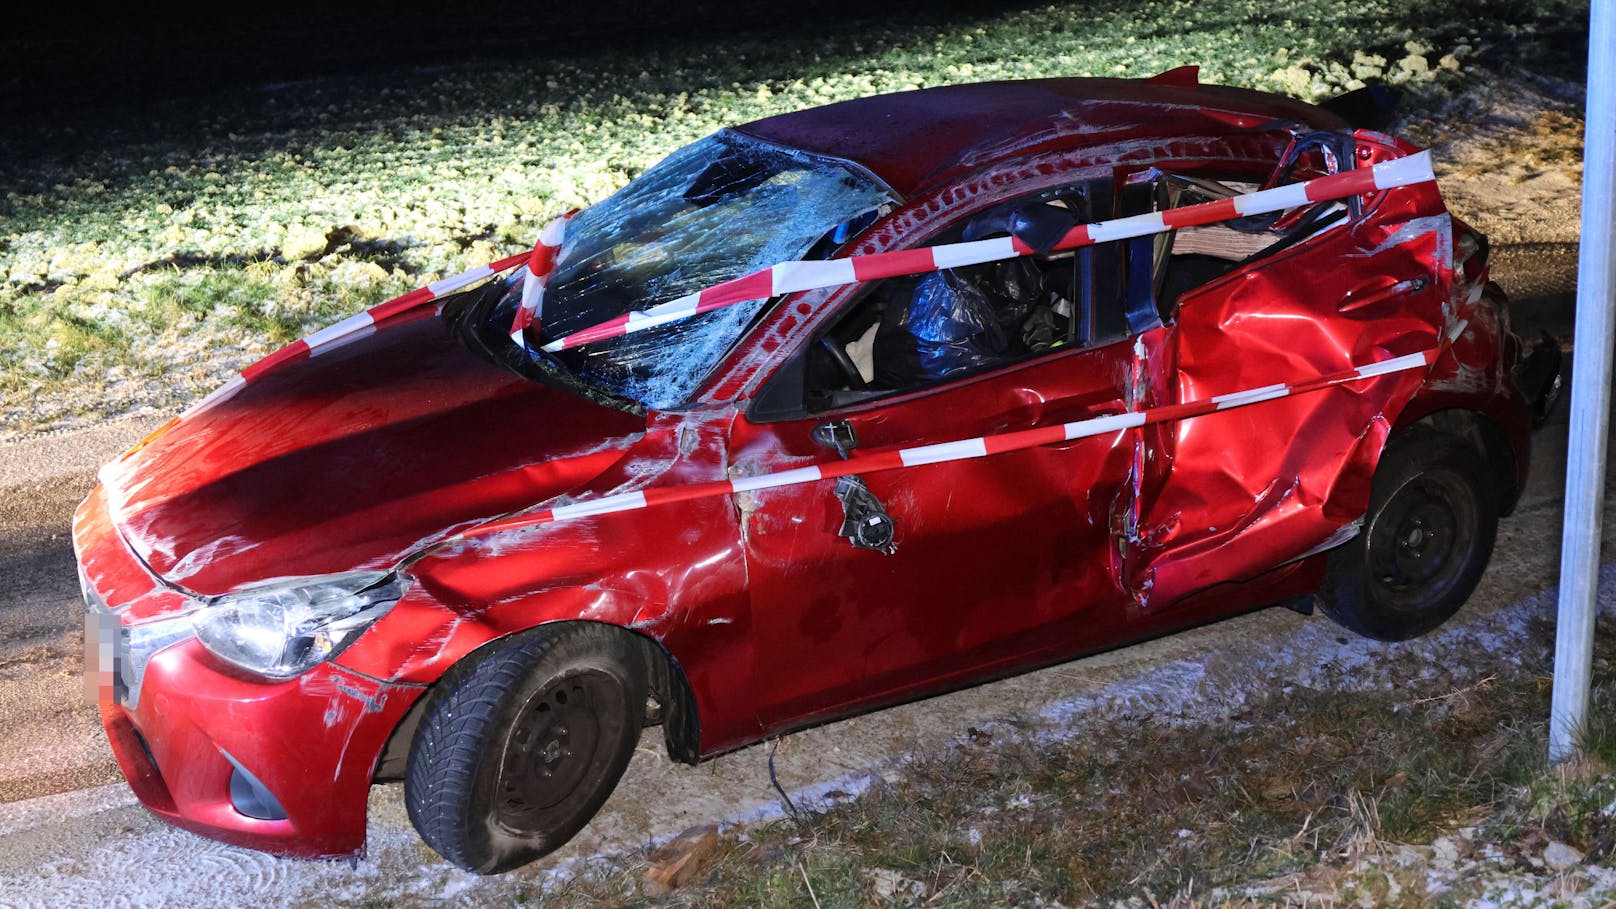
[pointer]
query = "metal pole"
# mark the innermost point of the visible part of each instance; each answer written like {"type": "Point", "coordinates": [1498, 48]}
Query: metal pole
{"type": "Point", "coordinates": [1590, 393]}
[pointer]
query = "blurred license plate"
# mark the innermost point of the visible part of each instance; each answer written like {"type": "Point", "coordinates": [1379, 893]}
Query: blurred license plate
{"type": "Point", "coordinates": [103, 637]}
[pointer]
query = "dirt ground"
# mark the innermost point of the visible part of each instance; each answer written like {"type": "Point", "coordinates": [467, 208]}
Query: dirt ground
{"type": "Point", "coordinates": [71, 833]}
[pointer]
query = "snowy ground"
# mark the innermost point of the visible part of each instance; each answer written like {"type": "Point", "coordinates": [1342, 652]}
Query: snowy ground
{"type": "Point", "coordinates": [149, 251]}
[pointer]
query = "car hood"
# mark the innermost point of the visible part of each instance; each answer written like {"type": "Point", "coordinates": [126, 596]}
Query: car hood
{"type": "Point", "coordinates": [353, 459]}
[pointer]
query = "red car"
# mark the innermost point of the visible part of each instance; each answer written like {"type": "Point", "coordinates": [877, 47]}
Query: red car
{"type": "Point", "coordinates": [414, 547]}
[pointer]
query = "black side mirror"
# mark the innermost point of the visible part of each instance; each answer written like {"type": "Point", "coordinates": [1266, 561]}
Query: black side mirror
{"type": "Point", "coordinates": [865, 522]}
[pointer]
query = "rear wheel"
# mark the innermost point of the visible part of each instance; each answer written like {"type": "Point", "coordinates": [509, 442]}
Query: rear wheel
{"type": "Point", "coordinates": [1426, 539]}
{"type": "Point", "coordinates": [520, 747]}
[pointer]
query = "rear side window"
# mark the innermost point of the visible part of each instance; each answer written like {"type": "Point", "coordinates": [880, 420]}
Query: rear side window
{"type": "Point", "coordinates": [1190, 257]}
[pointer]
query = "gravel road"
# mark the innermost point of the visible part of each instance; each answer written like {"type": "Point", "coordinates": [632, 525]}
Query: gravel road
{"type": "Point", "coordinates": [50, 738]}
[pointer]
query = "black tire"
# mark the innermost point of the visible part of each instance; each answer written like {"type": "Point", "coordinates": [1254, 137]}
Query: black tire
{"type": "Point", "coordinates": [520, 746]}
{"type": "Point", "coordinates": [1426, 539]}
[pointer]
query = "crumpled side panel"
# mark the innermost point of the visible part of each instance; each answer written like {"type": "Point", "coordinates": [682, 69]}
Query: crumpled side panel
{"type": "Point", "coordinates": [1243, 491]}
{"type": "Point", "coordinates": [674, 574]}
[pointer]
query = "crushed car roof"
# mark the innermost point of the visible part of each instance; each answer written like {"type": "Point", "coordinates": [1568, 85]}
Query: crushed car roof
{"type": "Point", "coordinates": [919, 139]}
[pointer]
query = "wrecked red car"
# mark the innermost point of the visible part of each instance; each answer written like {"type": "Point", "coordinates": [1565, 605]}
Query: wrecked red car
{"type": "Point", "coordinates": [416, 547]}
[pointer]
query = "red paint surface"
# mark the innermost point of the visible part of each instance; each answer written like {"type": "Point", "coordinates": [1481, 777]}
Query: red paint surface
{"type": "Point", "coordinates": [291, 353]}
{"type": "Point", "coordinates": [390, 446]}
{"type": "Point", "coordinates": [919, 140]}
{"type": "Point", "coordinates": [356, 458]}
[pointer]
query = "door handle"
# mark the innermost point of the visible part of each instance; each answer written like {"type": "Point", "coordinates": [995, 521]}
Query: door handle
{"type": "Point", "coordinates": [837, 435]}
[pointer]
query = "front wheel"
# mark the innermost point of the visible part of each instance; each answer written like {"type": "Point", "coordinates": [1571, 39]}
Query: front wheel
{"type": "Point", "coordinates": [1426, 539]}
{"type": "Point", "coordinates": [520, 747]}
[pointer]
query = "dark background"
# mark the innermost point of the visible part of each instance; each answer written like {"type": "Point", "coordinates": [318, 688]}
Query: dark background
{"type": "Point", "coordinates": [76, 82]}
{"type": "Point", "coordinates": [52, 57]}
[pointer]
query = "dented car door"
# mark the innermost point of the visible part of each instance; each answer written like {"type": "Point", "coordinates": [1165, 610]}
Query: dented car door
{"type": "Point", "coordinates": [1234, 494]}
{"type": "Point", "coordinates": [995, 556]}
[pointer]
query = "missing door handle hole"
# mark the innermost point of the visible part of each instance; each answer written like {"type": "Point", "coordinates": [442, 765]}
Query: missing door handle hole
{"type": "Point", "coordinates": [865, 522]}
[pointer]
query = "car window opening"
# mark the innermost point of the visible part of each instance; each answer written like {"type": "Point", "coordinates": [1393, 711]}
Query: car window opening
{"type": "Point", "coordinates": [907, 333]}
{"type": "Point", "coordinates": [1191, 257]}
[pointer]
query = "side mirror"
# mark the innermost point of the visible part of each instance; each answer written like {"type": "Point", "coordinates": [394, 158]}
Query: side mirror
{"type": "Point", "coordinates": [865, 522]}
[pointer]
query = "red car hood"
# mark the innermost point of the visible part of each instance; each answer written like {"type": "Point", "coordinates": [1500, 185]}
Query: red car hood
{"type": "Point", "coordinates": [353, 459]}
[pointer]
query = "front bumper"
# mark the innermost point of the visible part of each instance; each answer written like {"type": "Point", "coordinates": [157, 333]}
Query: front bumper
{"type": "Point", "coordinates": [201, 729]}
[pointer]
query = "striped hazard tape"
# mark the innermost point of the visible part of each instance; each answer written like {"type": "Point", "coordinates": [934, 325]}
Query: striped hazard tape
{"type": "Point", "coordinates": [790, 277]}
{"type": "Point", "coordinates": [409, 306]}
{"type": "Point", "coordinates": [539, 265]}
{"type": "Point", "coordinates": [399, 309]}
{"type": "Point", "coordinates": [540, 262]}
{"type": "Point", "coordinates": [945, 452]}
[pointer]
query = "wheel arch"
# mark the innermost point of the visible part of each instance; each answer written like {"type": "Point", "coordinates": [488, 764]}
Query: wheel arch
{"type": "Point", "coordinates": [1483, 433]}
{"type": "Point", "coordinates": [676, 710]}
{"type": "Point", "coordinates": [1431, 484]}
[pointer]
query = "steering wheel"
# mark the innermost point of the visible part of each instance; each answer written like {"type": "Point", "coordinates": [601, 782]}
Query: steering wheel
{"type": "Point", "coordinates": [844, 363]}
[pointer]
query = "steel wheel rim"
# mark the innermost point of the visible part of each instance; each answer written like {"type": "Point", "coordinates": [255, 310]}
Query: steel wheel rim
{"type": "Point", "coordinates": [553, 748]}
{"type": "Point", "coordinates": [1422, 540]}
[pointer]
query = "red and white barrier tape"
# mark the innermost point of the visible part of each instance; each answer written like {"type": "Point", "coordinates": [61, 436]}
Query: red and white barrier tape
{"type": "Point", "coordinates": [540, 262]}
{"type": "Point", "coordinates": [790, 277]}
{"type": "Point", "coordinates": [353, 328]}
{"type": "Point", "coordinates": [539, 266]}
{"type": "Point", "coordinates": [952, 451]}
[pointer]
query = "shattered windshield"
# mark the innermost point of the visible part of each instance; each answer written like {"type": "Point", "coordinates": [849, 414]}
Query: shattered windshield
{"type": "Point", "coordinates": [714, 210]}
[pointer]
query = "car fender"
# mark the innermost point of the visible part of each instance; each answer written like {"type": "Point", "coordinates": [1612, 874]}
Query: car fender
{"type": "Point", "coordinates": [675, 575]}
{"type": "Point", "coordinates": [1471, 392]}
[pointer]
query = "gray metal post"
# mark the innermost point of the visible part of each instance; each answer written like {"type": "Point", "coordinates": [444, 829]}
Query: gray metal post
{"type": "Point", "coordinates": [1590, 393]}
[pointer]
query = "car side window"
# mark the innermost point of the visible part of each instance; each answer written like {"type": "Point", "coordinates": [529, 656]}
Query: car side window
{"type": "Point", "coordinates": [1190, 257]}
{"type": "Point", "coordinates": [907, 333]}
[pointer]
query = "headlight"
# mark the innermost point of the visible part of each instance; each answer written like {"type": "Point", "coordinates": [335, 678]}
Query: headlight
{"type": "Point", "coordinates": [283, 627]}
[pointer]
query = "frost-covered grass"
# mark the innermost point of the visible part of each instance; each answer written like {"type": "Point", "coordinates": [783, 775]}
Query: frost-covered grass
{"type": "Point", "coordinates": [1306, 796]}
{"type": "Point", "coordinates": [168, 250]}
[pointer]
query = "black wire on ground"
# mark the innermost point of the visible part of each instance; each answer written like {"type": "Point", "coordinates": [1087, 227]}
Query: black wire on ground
{"type": "Point", "coordinates": [785, 800]}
